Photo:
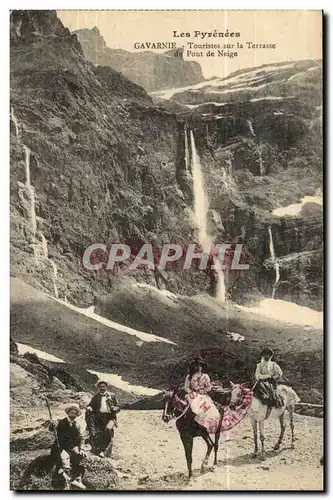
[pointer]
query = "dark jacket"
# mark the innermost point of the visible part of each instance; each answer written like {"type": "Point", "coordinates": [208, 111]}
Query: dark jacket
{"type": "Point", "coordinates": [111, 402]}
{"type": "Point", "coordinates": [69, 436]}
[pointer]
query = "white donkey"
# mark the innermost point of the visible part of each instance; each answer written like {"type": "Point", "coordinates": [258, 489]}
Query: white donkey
{"type": "Point", "coordinates": [258, 413]}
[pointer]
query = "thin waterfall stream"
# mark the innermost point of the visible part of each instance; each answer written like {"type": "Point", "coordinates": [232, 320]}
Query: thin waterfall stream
{"type": "Point", "coordinates": [32, 213]}
{"type": "Point", "coordinates": [274, 260]}
{"type": "Point", "coordinates": [201, 207]}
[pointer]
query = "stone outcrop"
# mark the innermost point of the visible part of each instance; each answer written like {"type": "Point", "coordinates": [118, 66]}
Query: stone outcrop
{"type": "Point", "coordinates": [153, 71]}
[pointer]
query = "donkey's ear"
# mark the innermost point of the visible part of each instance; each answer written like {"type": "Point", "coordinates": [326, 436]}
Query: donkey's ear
{"type": "Point", "coordinates": [232, 385]}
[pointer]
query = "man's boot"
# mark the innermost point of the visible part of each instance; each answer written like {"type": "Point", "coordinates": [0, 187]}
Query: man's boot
{"type": "Point", "coordinates": [77, 483]}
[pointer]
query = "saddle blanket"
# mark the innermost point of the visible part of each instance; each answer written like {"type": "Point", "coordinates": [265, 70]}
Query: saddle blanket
{"type": "Point", "coordinates": [208, 416]}
{"type": "Point", "coordinates": [231, 418]}
{"type": "Point", "coordinates": [206, 413]}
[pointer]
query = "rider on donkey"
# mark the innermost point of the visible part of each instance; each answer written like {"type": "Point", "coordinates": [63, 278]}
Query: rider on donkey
{"type": "Point", "coordinates": [267, 374]}
{"type": "Point", "coordinates": [197, 386]}
{"type": "Point", "coordinates": [197, 380]}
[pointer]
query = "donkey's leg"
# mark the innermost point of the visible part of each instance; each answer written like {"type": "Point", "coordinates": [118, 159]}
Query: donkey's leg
{"type": "Point", "coordinates": [291, 419]}
{"type": "Point", "coordinates": [262, 437]}
{"type": "Point", "coordinates": [206, 437]}
{"type": "Point", "coordinates": [216, 445]}
{"type": "Point", "coordinates": [255, 436]}
{"type": "Point", "coordinates": [283, 428]}
{"type": "Point", "coordinates": [188, 447]}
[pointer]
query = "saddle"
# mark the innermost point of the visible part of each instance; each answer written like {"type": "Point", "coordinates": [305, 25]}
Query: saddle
{"type": "Point", "coordinates": [266, 392]}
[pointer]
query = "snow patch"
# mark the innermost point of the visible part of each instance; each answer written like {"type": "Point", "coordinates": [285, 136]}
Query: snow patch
{"type": "Point", "coordinates": [295, 209]}
{"type": "Point", "coordinates": [288, 312]}
{"type": "Point", "coordinates": [89, 313]}
{"type": "Point", "coordinates": [117, 381]}
{"type": "Point", "coordinates": [268, 98]}
{"type": "Point", "coordinates": [23, 348]}
{"type": "Point", "coordinates": [253, 75]}
{"type": "Point", "coordinates": [235, 337]}
{"type": "Point", "coordinates": [192, 106]}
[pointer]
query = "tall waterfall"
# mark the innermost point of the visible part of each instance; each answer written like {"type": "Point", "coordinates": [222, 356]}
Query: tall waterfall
{"type": "Point", "coordinates": [200, 200]}
{"type": "Point", "coordinates": [250, 127]}
{"type": "Point", "coordinates": [261, 163]}
{"type": "Point", "coordinates": [275, 262]}
{"type": "Point", "coordinates": [15, 121]}
{"type": "Point", "coordinates": [32, 212]}
{"type": "Point", "coordinates": [201, 206]}
{"type": "Point", "coordinates": [187, 160]}
{"type": "Point", "coordinates": [31, 195]}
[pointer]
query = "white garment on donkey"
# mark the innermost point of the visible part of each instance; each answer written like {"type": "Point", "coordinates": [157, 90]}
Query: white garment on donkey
{"type": "Point", "coordinates": [201, 404]}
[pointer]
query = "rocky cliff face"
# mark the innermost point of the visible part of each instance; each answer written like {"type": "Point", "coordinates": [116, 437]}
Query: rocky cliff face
{"type": "Point", "coordinates": [259, 136]}
{"type": "Point", "coordinates": [150, 70]}
{"type": "Point", "coordinates": [103, 161]}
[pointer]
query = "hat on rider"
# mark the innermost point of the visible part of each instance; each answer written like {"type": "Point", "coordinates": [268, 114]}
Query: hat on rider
{"type": "Point", "coordinates": [200, 361]}
{"type": "Point", "coordinates": [267, 351]}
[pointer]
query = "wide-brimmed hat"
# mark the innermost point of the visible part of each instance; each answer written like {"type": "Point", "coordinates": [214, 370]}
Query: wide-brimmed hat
{"type": "Point", "coordinates": [73, 407]}
{"type": "Point", "coordinates": [199, 361]}
{"type": "Point", "coordinates": [268, 351]}
{"type": "Point", "coordinates": [101, 382]}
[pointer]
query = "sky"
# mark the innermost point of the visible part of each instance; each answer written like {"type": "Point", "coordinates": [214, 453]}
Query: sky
{"type": "Point", "coordinates": [297, 34]}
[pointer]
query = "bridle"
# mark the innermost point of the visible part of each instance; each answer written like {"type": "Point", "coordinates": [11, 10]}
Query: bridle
{"type": "Point", "coordinates": [177, 402]}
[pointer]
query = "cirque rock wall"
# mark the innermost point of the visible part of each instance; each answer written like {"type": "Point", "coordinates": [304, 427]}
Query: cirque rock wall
{"type": "Point", "coordinates": [150, 70]}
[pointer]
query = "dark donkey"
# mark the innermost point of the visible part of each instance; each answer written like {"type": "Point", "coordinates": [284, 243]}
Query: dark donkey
{"type": "Point", "coordinates": [177, 407]}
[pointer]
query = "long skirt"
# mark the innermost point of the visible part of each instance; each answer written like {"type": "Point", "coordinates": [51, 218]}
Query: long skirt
{"type": "Point", "coordinates": [206, 413]}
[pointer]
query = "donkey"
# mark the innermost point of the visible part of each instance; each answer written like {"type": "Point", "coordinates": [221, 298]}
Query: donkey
{"type": "Point", "coordinates": [259, 412]}
{"type": "Point", "coordinates": [177, 407]}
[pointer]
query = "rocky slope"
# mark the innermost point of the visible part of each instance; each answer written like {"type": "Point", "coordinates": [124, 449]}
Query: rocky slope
{"type": "Point", "coordinates": [153, 71]}
{"type": "Point", "coordinates": [184, 326]}
{"type": "Point", "coordinates": [104, 160]}
{"type": "Point", "coordinates": [32, 381]}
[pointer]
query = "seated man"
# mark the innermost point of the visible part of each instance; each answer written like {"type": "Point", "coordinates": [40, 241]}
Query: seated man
{"type": "Point", "coordinates": [67, 448]}
{"type": "Point", "coordinates": [267, 374]}
{"type": "Point", "coordinates": [101, 419]}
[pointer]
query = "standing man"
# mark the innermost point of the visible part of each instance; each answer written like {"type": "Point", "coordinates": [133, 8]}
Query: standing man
{"type": "Point", "coordinates": [68, 448]}
{"type": "Point", "coordinates": [101, 419]}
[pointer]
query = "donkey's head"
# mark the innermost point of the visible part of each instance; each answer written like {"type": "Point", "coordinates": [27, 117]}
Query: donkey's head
{"type": "Point", "coordinates": [174, 403]}
{"type": "Point", "coordinates": [236, 396]}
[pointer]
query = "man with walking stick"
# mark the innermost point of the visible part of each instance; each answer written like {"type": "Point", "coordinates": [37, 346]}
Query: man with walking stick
{"type": "Point", "coordinates": [66, 448]}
